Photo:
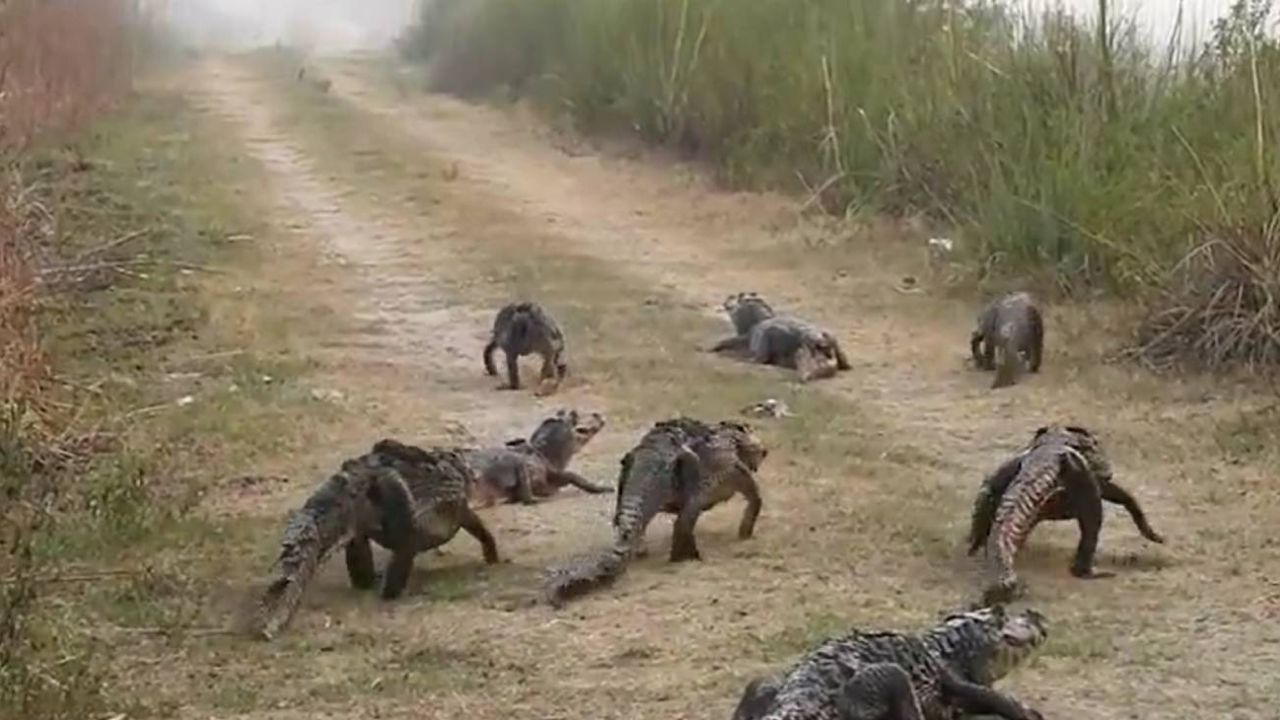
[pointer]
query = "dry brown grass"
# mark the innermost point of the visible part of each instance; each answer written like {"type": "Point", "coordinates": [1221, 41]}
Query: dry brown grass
{"type": "Point", "coordinates": [1222, 310]}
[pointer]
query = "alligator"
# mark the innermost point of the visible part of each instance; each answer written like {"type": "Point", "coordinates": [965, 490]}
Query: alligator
{"type": "Point", "coordinates": [1012, 328]}
{"type": "Point", "coordinates": [682, 467]}
{"type": "Point", "coordinates": [406, 499]}
{"type": "Point", "coordinates": [879, 675]}
{"type": "Point", "coordinates": [524, 470]}
{"type": "Point", "coordinates": [782, 340]}
{"type": "Point", "coordinates": [1063, 473]}
{"type": "Point", "coordinates": [745, 310]}
{"type": "Point", "coordinates": [526, 328]}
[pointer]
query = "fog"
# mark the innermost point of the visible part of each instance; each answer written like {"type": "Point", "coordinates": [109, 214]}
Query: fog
{"type": "Point", "coordinates": [331, 26]}
{"type": "Point", "coordinates": [324, 26]}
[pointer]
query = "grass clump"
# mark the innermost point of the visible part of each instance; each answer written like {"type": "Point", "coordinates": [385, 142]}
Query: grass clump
{"type": "Point", "coordinates": [1069, 154]}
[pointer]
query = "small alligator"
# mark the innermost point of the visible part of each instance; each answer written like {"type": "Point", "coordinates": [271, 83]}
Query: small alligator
{"type": "Point", "coordinates": [404, 498]}
{"type": "Point", "coordinates": [524, 470]}
{"type": "Point", "coordinates": [1062, 474]}
{"type": "Point", "coordinates": [1009, 335]}
{"type": "Point", "coordinates": [526, 328]}
{"type": "Point", "coordinates": [680, 466]}
{"type": "Point", "coordinates": [936, 675]}
{"type": "Point", "coordinates": [782, 340]}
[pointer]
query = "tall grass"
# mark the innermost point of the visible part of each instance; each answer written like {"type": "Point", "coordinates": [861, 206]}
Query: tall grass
{"type": "Point", "coordinates": [61, 61]}
{"type": "Point", "coordinates": [1057, 148]}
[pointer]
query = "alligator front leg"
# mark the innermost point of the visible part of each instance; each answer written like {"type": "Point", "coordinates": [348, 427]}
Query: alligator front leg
{"type": "Point", "coordinates": [560, 478]}
{"type": "Point", "coordinates": [980, 358]}
{"type": "Point", "coordinates": [744, 482]}
{"type": "Point", "coordinates": [879, 692]}
{"type": "Point", "coordinates": [981, 700]}
{"type": "Point", "coordinates": [1085, 500]}
{"type": "Point", "coordinates": [736, 343]}
{"type": "Point", "coordinates": [756, 699]}
{"type": "Point", "coordinates": [1116, 494]}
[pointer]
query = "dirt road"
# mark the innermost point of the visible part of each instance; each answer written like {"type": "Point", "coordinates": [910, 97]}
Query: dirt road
{"type": "Point", "coordinates": [414, 217]}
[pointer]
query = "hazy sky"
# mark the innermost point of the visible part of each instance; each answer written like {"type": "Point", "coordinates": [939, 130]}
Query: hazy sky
{"type": "Point", "coordinates": [347, 24]}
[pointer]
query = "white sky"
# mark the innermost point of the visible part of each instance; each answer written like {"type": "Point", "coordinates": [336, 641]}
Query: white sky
{"type": "Point", "coordinates": [348, 24]}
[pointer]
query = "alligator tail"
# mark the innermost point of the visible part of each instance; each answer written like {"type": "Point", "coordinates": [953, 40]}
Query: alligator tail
{"type": "Point", "coordinates": [326, 520]}
{"type": "Point", "coordinates": [581, 575]}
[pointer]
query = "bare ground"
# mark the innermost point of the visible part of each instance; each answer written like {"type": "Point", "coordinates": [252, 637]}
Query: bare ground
{"type": "Point", "coordinates": [412, 218]}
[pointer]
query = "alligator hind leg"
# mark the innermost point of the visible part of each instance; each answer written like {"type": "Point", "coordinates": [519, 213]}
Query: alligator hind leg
{"type": "Point", "coordinates": [469, 521]}
{"type": "Point", "coordinates": [398, 569]}
{"type": "Point", "coordinates": [977, 699]}
{"type": "Point", "coordinates": [688, 478]}
{"type": "Point", "coordinates": [879, 692]}
{"type": "Point", "coordinates": [513, 370]}
{"type": "Point", "coordinates": [1037, 342]}
{"type": "Point", "coordinates": [489, 350]}
{"type": "Point", "coordinates": [1085, 500]}
{"type": "Point", "coordinates": [360, 570]}
{"type": "Point", "coordinates": [1116, 494]}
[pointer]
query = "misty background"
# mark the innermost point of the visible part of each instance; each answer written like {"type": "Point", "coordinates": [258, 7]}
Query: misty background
{"type": "Point", "coordinates": [334, 26]}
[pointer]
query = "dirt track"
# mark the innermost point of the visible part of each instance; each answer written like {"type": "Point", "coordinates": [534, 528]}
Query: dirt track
{"type": "Point", "coordinates": [867, 492]}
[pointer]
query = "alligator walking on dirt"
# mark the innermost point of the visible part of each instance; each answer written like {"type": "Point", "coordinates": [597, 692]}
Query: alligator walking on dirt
{"type": "Point", "coordinates": [526, 328]}
{"type": "Point", "coordinates": [524, 470]}
{"type": "Point", "coordinates": [1009, 338]}
{"type": "Point", "coordinates": [404, 498]}
{"type": "Point", "coordinates": [1062, 474]}
{"type": "Point", "coordinates": [680, 466]}
{"type": "Point", "coordinates": [936, 675]}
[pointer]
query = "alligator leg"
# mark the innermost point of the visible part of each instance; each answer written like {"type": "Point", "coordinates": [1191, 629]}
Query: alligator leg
{"type": "Point", "coordinates": [988, 501]}
{"type": "Point", "coordinates": [560, 478]}
{"type": "Point", "coordinates": [879, 692]}
{"type": "Point", "coordinates": [737, 343]}
{"type": "Point", "coordinates": [524, 489]}
{"type": "Point", "coordinates": [981, 700]}
{"type": "Point", "coordinates": [470, 522]}
{"type": "Point", "coordinates": [842, 361]}
{"type": "Point", "coordinates": [1116, 494]}
{"type": "Point", "coordinates": [1037, 342]}
{"type": "Point", "coordinates": [744, 481]}
{"type": "Point", "coordinates": [1085, 500]}
{"type": "Point", "coordinates": [756, 699]}
{"type": "Point", "coordinates": [687, 479]}
{"type": "Point", "coordinates": [360, 564]}
{"type": "Point", "coordinates": [549, 379]}
{"type": "Point", "coordinates": [489, 367]}
{"type": "Point", "coordinates": [513, 370]}
{"type": "Point", "coordinates": [397, 576]}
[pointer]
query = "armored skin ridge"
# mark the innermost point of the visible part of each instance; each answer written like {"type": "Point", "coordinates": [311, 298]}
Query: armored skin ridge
{"type": "Point", "coordinates": [782, 340]}
{"type": "Point", "coordinates": [525, 470]}
{"type": "Point", "coordinates": [680, 466]}
{"type": "Point", "coordinates": [526, 328]}
{"type": "Point", "coordinates": [406, 499]}
{"type": "Point", "coordinates": [868, 675]}
{"type": "Point", "coordinates": [1062, 474]}
{"type": "Point", "coordinates": [1009, 338]}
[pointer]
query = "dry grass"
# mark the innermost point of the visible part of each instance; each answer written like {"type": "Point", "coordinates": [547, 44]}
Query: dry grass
{"type": "Point", "coordinates": [1223, 309]}
{"type": "Point", "coordinates": [867, 489]}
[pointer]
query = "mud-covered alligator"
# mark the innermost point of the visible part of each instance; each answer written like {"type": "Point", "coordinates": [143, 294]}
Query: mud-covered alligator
{"type": "Point", "coordinates": [1063, 473]}
{"type": "Point", "coordinates": [680, 466]}
{"type": "Point", "coordinates": [866, 675]}
{"type": "Point", "coordinates": [406, 499]}
{"type": "Point", "coordinates": [783, 340]}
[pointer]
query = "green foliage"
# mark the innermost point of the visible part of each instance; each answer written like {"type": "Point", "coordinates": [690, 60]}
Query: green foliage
{"type": "Point", "coordinates": [1075, 155]}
